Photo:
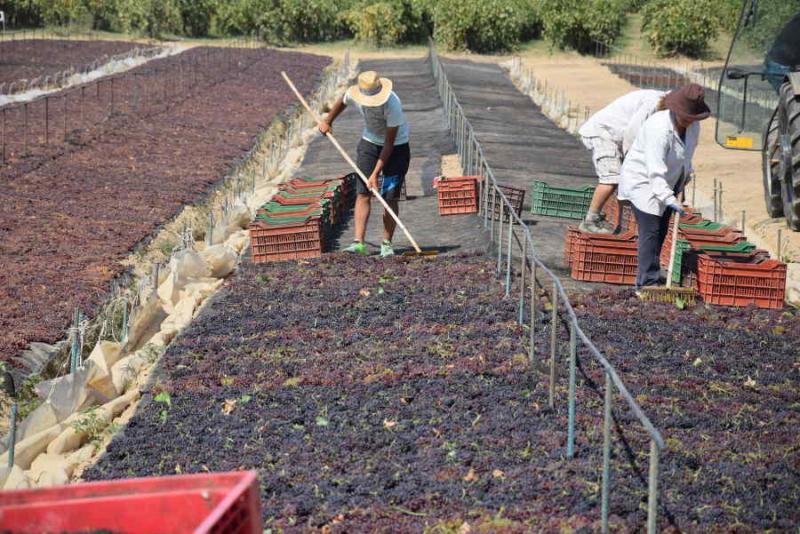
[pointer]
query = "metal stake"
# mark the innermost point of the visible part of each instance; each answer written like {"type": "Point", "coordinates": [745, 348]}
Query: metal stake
{"type": "Point", "coordinates": [500, 235]}
{"type": "Point", "coordinates": [12, 435]}
{"type": "Point", "coordinates": [652, 499]}
{"type": "Point", "coordinates": [509, 254]}
{"type": "Point", "coordinates": [573, 349]}
{"type": "Point", "coordinates": [606, 454]}
{"type": "Point", "coordinates": [532, 340]}
{"type": "Point", "coordinates": [780, 243]}
{"type": "Point", "coordinates": [47, 120]}
{"type": "Point", "coordinates": [553, 344]}
{"type": "Point", "coordinates": [743, 220]}
{"type": "Point", "coordinates": [522, 280]}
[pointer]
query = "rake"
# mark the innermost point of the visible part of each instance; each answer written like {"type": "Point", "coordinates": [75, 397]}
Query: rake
{"type": "Point", "coordinates": [673, 295]}
{"type": "Point", "coordinates": [417, 251]}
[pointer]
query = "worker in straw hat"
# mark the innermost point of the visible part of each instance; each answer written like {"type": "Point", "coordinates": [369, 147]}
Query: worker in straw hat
{"type": "Point", "coordinates": [382, 150]}
{"type": "Point", "coordinates": [656, 171]}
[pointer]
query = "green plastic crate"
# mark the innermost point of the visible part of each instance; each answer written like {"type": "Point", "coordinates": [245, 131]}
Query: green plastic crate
{"type": "Point", "coordinates": [705, 225]}
{"type": "Point", "coordinates": [742, 247]}
{"type": "Point", "coordinates": [560, 201]}
{"type": "Point", "coordinates": [677, 264]}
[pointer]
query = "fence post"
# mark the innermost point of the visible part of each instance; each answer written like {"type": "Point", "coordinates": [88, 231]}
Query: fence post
{"type": "Point", "coordinates": [606, 454]}
{"type": "Point", "coordinates": [573, 349]}
{"type": "Point", "coordinates": [652, 497]}
{"type": "Point", "coordinates": [553, 344]}
{"type": "Point", "coordinates": [522, 267]}
{"type": "Point", "coordinates": [4, 135]}
{"type": "Point", "coordinates": [509, 253]}
{"type": "Point", "coordinates": [65, 117]}
{"type": "Point", "coordinates": [25, 130]}
{"type": "Point", "coordinates": [12, 435]}
{"type": "Point", "coordinates": [500, 234]}
{"type": "Point", "coordinates": [47, 120]}
{"type": "Point", "coordinates": [532, 349]}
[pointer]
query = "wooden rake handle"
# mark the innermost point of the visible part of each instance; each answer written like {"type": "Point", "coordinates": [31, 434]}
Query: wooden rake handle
{"type": "Point", "coordinates": [673, 246]}
{"type": "Point", "coordinates": [349, 160]}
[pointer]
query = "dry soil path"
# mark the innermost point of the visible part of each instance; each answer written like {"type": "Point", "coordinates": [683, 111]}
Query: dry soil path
{"type": "Point", "coordinates": [521, 145]}
{"type": "Point", "coordinates": [429, 140]}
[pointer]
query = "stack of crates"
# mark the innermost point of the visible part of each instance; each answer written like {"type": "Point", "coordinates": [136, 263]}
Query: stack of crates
{"type": "Point", "coordinates": [723, 266]}
{"type": "Point", "coordinates": [300, 219]}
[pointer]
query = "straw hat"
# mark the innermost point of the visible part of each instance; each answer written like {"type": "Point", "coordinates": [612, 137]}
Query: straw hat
{"type": "Point", "coordinates": [371, 90]}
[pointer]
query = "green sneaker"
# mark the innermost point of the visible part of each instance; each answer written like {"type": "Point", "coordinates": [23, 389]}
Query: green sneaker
{"type": "Point", "coordinates": [386, 249]}
{"type": "Point", "coordinates": [357, 247]}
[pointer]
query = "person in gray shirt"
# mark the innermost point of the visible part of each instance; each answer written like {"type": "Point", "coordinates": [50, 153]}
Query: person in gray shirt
{"type": "Point", "coordinates": [382, 150]}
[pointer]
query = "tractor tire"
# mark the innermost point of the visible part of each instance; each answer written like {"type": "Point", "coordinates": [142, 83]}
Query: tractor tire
{"type": "Point", "coordinates": [789, 124]}
{"type": "Point", "coordinates": [769, 170]}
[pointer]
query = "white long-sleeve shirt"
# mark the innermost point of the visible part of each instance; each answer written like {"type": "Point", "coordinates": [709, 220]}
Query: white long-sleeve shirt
{"type": "Point", "coordinates": [655, 163]}
{"type": "Point", "coordinates": [621, 119]}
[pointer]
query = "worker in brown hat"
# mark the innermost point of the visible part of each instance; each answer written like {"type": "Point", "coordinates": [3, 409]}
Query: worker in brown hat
{"type": "Point", "coordinates": [657, 169]}
{"type": "Point", "coordinates": [382, 151]}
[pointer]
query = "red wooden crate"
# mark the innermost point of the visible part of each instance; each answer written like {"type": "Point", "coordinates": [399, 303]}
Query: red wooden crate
{"type": "Point", "coordinates": [291, 241]}
{"type": "Point", "coordinates": [457, 195]}
{"type": "Point", "coordinates": [731, 283]}
{"type": "Point", "coordinates": [605, 258]}
{"type": "Point", "coordinates": [205, 503]}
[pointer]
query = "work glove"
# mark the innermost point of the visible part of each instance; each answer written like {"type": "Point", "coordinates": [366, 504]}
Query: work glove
{"type": "Point", "coordinates": [677, 208]}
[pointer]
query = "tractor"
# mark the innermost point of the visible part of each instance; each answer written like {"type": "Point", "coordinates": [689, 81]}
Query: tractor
{"type": "Point", "coordinates": [759, 99]}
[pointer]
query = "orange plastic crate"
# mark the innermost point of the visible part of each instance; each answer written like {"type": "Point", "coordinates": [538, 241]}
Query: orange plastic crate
{"type": "Point", "coordinates": [286, 241]}
{"type": "Point", "coordinates": [570, 243]}
{"type": "Point", "coordinates": [730, 283]}
{"type": "Point", "coordinates": [608, 259]}
{"type": "Point", "coordinates": [205, 503]}
{"type": "Point", "coordinates": [458, 195]}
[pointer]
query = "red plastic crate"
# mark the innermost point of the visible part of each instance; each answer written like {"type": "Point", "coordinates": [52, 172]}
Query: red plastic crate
{"type": "Point", "coordinates": [732, 283]}
{"type": "Point", "coordinates": [569, 244]}
{"type": "Point", "coordinates": [611, 211]}
{"type": "Point", "coordinates": [286, 241]}
{"type": "Point", "coordinates": [205, 503]}
{"type": "Point", "coordinates": [605, 258]}
{"type": "Point", "coordinates": [457, 195]}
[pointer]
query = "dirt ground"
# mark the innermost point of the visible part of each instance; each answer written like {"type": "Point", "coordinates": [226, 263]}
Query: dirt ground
{"type": "Point", "coordinates": [587, 82]}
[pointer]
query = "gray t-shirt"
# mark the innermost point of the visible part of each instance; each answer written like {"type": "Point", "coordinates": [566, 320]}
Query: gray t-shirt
{"type": "Point", "coordinates": [378, 118]}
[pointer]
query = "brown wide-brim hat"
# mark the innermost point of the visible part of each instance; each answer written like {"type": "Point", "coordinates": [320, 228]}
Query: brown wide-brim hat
{"type": "Point", "coordinates": [371, 90]}
{"type": "Point", "coordinates": [688, 103]}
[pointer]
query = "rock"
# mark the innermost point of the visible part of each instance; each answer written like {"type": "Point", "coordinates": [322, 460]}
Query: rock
{"type": "Point", "coordinates": [29, 448]}
{"type": "Point", "coordinates": [40, 419]}
{"type": "Point", "coordinates": [16, 480]}
{"type": "Point", "coordinates": [221, 259]}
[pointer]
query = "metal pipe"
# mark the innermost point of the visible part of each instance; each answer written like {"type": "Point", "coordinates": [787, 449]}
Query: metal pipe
{"type": "Point", "coordinates": [500, 235]}
{"type": "Point", "coordinates": [743, 221]}
{"type": "Point", "coordinates": [532, 341]}
{"type": "Point", "coordinates": [509, 255]}
{"type": "Point", "coordinates": [522, 267]}
{"type": "Point", "coordinates": [652, 497]}
{"type": "Point", "coordinates": [604, 495]}
{"type": "Point", "coordinates": [573, 349]}
{"type": "Point", "coordinates": [12, 435]}
{"type": "Point", "coordinates": [553, 345]}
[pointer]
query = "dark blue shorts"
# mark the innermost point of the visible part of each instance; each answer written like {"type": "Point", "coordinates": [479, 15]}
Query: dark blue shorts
{"type": "Point", "coordinates": [394, 171]}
